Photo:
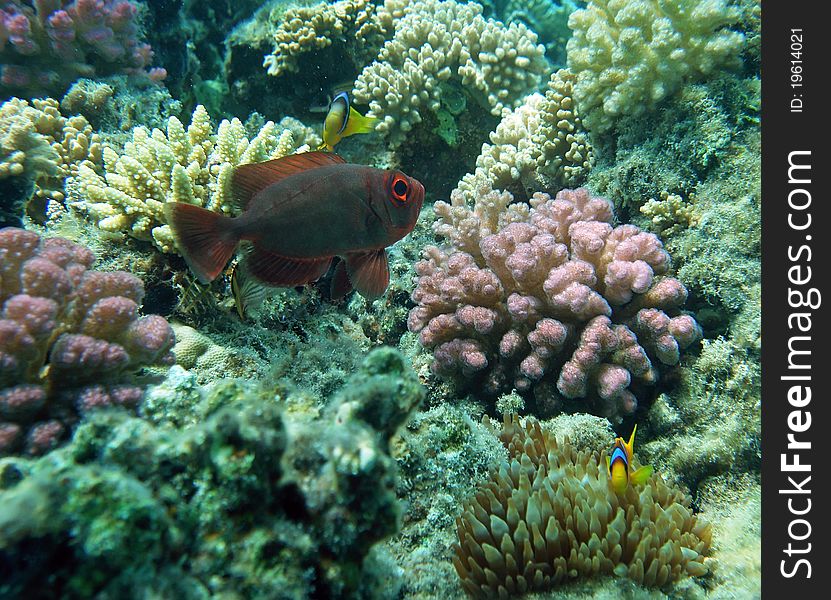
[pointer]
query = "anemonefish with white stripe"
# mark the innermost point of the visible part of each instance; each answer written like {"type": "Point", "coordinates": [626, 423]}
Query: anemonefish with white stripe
{"type": "Point", "coordinates": [342, 121]}
{"type": "Point", "coordinates": [620, 465]}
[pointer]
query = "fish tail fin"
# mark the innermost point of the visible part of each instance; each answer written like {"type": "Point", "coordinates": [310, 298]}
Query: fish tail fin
{"type": "Point", "coordinates": [205, 238]}
{"type": "Point", "coordinates": [639, 476]}
{"type": "Point", "coordinates": [358, 123]}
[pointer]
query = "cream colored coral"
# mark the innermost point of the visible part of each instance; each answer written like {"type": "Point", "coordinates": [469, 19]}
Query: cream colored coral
{"type": "Point", "coordinates": [565, 153]}
{"type": "Point", "coordinates": [86, 97]}
{"type": "Point", "coordinates": [628, 55]}
{"type": "Point", "coordinates": [37, 141]}
{"type": "Point", "coordinates": [437, 41]}
{"type": "Point", "coordinates": [23, 150]}
{"type": "Point", "coordinates": [308, 28]}
{"type": "Point", "coordinates": [540, 145]}
{"type": "Point", "coordinates": [194, 349]}
{"type": "Point", "coordinates": [178, 165]}
{"type": "Point", "coordinates": [512, 154]}
{"type": "Point", "coordinates": [670, 214]}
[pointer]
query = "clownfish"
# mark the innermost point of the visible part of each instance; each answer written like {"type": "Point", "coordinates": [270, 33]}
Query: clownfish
{"type": "Point", "coordinates": [342, 121]}
{"type": "Point", "coordinates": [620, 465]}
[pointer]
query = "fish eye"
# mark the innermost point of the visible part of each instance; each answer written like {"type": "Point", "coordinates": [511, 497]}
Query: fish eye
{"type": "Point", "coordinates": [400, 188]}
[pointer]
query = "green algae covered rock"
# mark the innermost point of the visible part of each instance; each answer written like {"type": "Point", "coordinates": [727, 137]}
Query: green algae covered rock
{"type": "Point", "coordinates": [251, 502]}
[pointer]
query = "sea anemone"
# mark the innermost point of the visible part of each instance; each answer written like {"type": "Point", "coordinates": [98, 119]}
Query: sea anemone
{"type": "Point", "coordinates": [549, 515]}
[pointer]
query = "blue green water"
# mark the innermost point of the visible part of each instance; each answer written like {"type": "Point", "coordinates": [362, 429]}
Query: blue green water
{"type": "Point", "coordinates": [281, 441]}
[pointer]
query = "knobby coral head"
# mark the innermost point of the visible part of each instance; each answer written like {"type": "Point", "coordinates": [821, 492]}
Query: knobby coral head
{"type": "Point", "coordinates": [556, 301]}
{"type": "Point", "coordinates": [69, 336]}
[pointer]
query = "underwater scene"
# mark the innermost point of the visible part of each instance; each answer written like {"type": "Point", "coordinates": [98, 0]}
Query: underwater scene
{"type": "Point", "coordinates": [380, 299]}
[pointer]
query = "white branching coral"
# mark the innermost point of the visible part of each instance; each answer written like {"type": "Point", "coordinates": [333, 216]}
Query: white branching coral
{"type": "Point", "coordinates": [191, 165]}
{"type": "Point", "coordinates": [628, 55]}
{"type": "Point", "coordinates": [443, 41]}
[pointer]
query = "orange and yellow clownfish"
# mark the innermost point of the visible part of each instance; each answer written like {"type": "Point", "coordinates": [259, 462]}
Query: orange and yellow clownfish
{"type": "Point", "coordinates": [342, 121]}
{"type": "Point", "coordinates": [620, 465]}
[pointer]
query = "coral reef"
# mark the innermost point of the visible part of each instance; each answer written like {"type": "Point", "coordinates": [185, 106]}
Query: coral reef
{"type": "Point", "coordinates": [704, 148]}
{"type": "Point", "coordinates": [629, 55]}
{"type": "Point", "coordinates": [68, 334]}
{"type": "Point", "coordinates": [361, 24]}
{"type": "Point", "coordinates": [557, 297]}
{"type": "Point", "coordinates": [46, 45]}
{"type": "Point", "coordinates": [250, 502]}
{"type": "Point", "coordinates": [438, 43]}
{"type": "Point", "coordinates": [547, 18]}
{"type": "Point", "coordinates": [549, 515]}
{"type": "Point", "coordinates": [309, 49]}
{"type": "Point", "coordinates": [539, 145]}
{"type": "Point", "coordinates": [191, 165]}
{"type": "Point", "coordinates": [43, 148]}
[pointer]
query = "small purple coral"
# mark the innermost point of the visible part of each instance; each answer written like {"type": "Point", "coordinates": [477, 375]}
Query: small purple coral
{"type": "Point", "coordinates": [68, 335]}
{"type": "Point", "coordinates": [561, 303]}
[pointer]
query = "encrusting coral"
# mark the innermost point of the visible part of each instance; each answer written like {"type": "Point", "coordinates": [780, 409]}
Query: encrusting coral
{"type": "Point", "coordinates": [670, 214]}
{"type": "Point", "coordinates": [628, 55]}
{"type": "Point", "coordinates": [68, 334]}
{"type": "Point", "coordinates": [247, 501]}
{"type": "Point", "coordinates": [439, 42]}
{"type": "Point", "coordinates": [549, 514]}
{"type": "Point", "coordinates": [191, 165]}
{"type": "Point", "coordinates": [552, 299]}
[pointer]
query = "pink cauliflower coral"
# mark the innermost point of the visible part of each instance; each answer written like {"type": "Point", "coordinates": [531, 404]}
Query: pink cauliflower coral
{"type": "Point", "coordinates": [67, 337]}
{"type": "Point", "coordinates": [561, 303]}
{"type": "Point", "coordinates": [45, 45]}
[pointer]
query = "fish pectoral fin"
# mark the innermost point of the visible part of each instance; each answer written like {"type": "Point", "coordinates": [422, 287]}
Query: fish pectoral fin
{"type": "Point", "coordinates": [369, 272]}
{"type": "Point", "coordinates": [273, 269]}
{"type": "Point", "coordinates": [340, 284]}
{"type": "Point", "coordinates": [250, 179]}
{"type": "Point", "coordinates": [639, 476]}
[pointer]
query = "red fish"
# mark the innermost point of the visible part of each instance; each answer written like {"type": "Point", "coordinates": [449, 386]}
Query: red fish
{"type": "Point", "coordinates": [299, 212]}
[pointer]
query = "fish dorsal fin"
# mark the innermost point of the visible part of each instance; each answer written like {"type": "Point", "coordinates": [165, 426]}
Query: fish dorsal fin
{"type": "Point", "coordinates": [249, 179]}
